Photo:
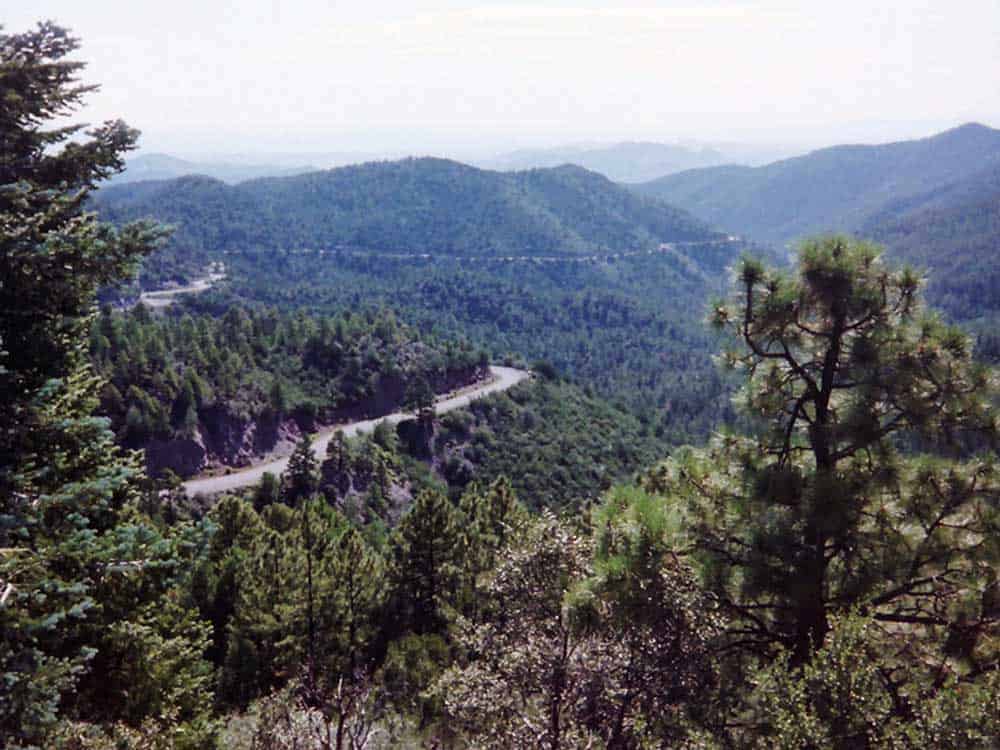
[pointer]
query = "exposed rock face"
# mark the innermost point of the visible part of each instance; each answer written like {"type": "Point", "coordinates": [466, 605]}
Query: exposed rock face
{"type": "Point", "coordinates": [185, 456]}
{"type": "Point", "coordinates": [417, 436]}
{"type": "Point", "coordinates": [233, 441]}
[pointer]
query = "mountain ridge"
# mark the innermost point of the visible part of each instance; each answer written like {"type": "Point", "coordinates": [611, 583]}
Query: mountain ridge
{"type": "Point", "coordinates": [831, 189]}
{"type": "Point", "coordinates": [416, 205]}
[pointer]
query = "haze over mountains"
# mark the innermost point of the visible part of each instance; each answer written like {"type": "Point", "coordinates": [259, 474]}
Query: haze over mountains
{"type": "Point", "coordinates": [621, 162]}
{"type": "Point", "coordinates": [628, 161]}
{"type": "Point", "coordinates": [166, 167]}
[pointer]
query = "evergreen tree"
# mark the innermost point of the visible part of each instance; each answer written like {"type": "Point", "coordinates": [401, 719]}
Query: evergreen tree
{"type": "Point", "coordinates": [301, 478]}
{"type": "Point", "coordinates": [491, 516]}
{"type": "Point", "coordinates": [358, 575]}
{"type": "Point", "coordinates": [63, 484]}
{"type": "Point", "coordinates": [426, 565]}
{"type": "Point", "coordinates": [267, 492]}
{"type": "Point", "coordinates": [257, 657]}
{"type": "Point", "coordinates": [827, 509]}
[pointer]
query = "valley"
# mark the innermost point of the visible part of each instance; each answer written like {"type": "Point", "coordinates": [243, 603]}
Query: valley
{"type": "Point", "coordinates": [420, 454]}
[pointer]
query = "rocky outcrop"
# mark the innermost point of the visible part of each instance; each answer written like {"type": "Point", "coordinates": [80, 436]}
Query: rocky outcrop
{"type": "Point", "coordinates": [185, 457]}
{"type": "Point", "coordinates": [416, 436]}
{"type": "Point", "coordinates": [222, 440]}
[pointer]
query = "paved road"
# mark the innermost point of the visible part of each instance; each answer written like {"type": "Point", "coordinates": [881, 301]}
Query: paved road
{"type": "Point", "coordinates": [503, 378]}
{"type": "Point", "coordinates": [165, 297]}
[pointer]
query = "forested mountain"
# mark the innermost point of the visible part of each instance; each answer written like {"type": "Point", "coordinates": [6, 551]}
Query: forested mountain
{"type": "Point", "coordinates": [802, 579]}
{"type": "Point", "coordinates": [833, 189]}
{"type": "Point", "coordinates": [414, 206]}
{"type": "Point", "coordinates": [558, 265]}
{"type": "Point", "coordinates": [954, 233]}
{"type": "Point", "coordinates": [631, 328]}
{"type": "Point", "coordinates": [621, 162]}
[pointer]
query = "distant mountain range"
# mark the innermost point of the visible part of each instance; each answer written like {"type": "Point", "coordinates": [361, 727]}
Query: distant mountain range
{"type": "Point", "coordinates": [426, 206]}
{"type": "Point", "coordinates": [934, 202]}
{"type": "Point", "coordinates": [166, 167]}
{"type": "Point", "coordinates": [833, 189]}
{"type": "Point", "coordinates": [621, 162]}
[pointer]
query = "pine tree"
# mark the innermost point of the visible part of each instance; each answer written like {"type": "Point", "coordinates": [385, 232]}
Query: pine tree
{"type": "Point", "coordinates": [337, 452]}
{"type": "Point", "coordinates": [357, 573]}
{"type": "Point", "coordinates": [830, 508]}
{"type": "Point", "coordinates": [300, 479]}
{"type": "Point", "coordinates": [491, 516]}
{"type": "Point", "coordinates": [426, 564]}
{"type": "Point", "coordinates": [267, 492]}
{"type": "Point", "coordinates": [264, 614]}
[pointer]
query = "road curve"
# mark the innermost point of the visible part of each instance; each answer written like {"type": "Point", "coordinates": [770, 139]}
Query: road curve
{"type": "Point", "coordinates": [159, 298]}
{"type": "Point", "coordinates": [503, 378]}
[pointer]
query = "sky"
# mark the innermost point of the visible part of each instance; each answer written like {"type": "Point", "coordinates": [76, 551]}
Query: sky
{"type": "Point", "coordinates": [241, 76]}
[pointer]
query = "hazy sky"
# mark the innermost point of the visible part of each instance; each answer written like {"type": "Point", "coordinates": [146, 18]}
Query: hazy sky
{"type": "Point", "coordinates": [239, 75]}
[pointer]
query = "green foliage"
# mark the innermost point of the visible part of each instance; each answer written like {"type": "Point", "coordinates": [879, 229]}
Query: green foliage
{"type": "Point", "coordinates": [951, 232]}
{"type": "Point", "coordinates": [79, 562]}
{"type": "Point", "coordinates": [558, 446]}
{"type": "Point", "coordinates": [426, 565]}
{"type": "Point", "coordinates": [616, 303]}
{"type": "Point", "coordinates": [832, 189]}
{"type": "Point", "coordinates": [189, 376]}
{"type": "Point", "coordinates": [156, 664]}
{"type": "Point", "coordinates": [824, 511]}
{"type": "Point", "coordinates": [414, 206]}
{"type": "Point", "coordinates": [609, 325]}
{"type": "Point", "coordinates": [558, 660]}
{"type": "Point", "coordinates": [848, 594]}
{"type": "Point", "coordinates": [849, 696]}
{"type": "Point", "coordinates": [300, 480]}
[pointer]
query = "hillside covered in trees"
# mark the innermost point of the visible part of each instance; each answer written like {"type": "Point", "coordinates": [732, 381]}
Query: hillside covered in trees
{"type": "Point", "coordinates": [954, 233]}
{"type": "Point", "coordinates": [203, 391]}
{"type": "Point", "coordinates": [608, 288]}
{"type": "Point", "coordinates": [627, 328]}
{"type": "Point", "coordinates": [411, 207]}
{"type": "Point", "coordinates": [833, 189]}
{"type": "Point", "coordinates": [822, 573]}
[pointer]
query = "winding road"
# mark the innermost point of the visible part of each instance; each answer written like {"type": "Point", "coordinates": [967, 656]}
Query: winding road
{"type": "Point", "coordinates": [503, 378]}
{"type": "Point", "coordinates": [166, 297]}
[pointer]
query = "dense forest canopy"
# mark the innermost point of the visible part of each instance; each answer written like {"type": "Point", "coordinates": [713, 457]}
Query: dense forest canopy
{"type": "Point", "coordinates": [539, 570]}
{"type": "Point", "coordinates": [411, 207]}
{"type": "Point", "coordinates": [954, 233]}
{"type": "Point", "coordinates": [179, 378]}
{"type": "Point", "coordinates": [619, 313]}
